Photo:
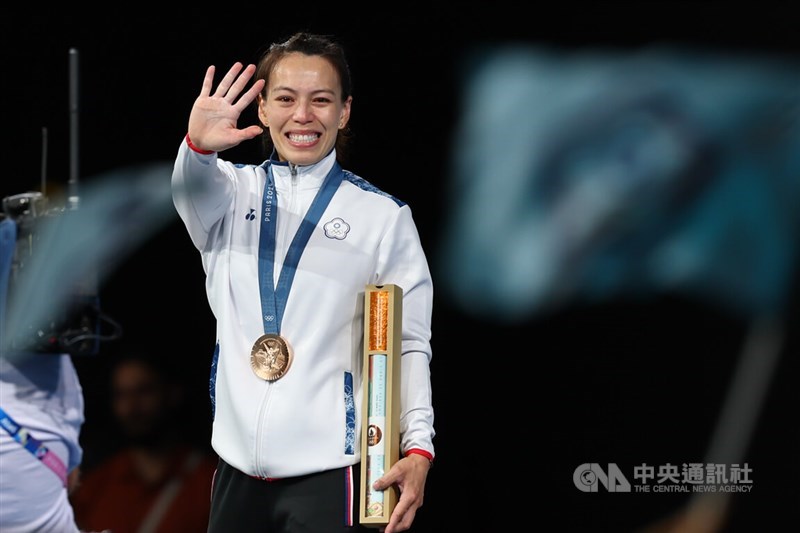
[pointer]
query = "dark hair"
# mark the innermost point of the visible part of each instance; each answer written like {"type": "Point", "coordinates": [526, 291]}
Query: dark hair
{"type": "Point", "coordinates": [135, 353]}
{"type": "Point", "coordinates": [309, 44]}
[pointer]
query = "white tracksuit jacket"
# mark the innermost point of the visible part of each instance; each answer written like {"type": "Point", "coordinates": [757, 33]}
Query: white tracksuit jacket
{"type": "Point", "coordinates": [308, 420]}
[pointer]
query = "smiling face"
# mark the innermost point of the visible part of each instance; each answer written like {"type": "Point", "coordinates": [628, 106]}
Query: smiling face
{"type": "Point", "coordinates": [303, 108]}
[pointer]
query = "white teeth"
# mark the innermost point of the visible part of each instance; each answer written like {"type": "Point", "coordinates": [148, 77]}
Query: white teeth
{"type": "Point", "coordinates": [302, 138]}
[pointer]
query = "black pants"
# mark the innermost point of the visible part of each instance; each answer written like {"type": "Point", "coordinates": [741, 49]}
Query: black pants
{"type": "Point", "coordinates": [316, 503]}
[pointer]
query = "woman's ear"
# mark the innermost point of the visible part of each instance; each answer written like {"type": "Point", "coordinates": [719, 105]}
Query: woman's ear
{"type": "Point", "coordinates": [344, 116]}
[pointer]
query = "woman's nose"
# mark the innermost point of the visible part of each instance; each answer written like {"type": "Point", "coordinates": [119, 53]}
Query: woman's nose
{"type": "Point", "coordinates": [303, 112]}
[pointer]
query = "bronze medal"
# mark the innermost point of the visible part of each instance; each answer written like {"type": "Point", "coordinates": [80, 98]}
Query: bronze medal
{"type": "Point", "coordinates": [270, 357]}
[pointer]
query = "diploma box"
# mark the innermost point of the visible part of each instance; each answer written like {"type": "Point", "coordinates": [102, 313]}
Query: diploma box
{"type": "Point", "coordinates": [380, 431]}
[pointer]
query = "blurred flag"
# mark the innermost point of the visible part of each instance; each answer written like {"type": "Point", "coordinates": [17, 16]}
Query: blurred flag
{"type": "Point", "coordinates": [582, 176]}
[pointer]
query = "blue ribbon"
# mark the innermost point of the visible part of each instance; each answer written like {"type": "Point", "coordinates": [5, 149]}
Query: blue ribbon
{"type": "Point", "coordinates": [273, 298]}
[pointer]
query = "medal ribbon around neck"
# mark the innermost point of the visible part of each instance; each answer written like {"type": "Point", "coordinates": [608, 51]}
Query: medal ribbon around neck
{"type": "Point", "coordinates": [273, 298]}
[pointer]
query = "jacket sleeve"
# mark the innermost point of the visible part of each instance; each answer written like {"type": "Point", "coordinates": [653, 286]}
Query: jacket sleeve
{"type": "Point", "coordinates": [201, 190]}
{"type": "Point", "coordinates": [402, 261]}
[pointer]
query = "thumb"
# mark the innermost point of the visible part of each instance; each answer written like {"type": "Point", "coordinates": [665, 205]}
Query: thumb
{"type": "Point", "coordinates": [384, 482]}
{"type": "Point", "coordinates": [252, 131]}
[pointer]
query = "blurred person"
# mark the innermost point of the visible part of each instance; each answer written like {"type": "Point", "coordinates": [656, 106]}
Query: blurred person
{"type": "Point", "coordinates": [158, 481]}
{"type": "Point", "coordinates": [288, 247]}
{"type": "Point", "coordinates": [41, 416]}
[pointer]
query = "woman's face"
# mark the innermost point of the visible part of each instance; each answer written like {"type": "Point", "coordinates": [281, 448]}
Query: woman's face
{"type": "Point", "coordinates": [303, 108]}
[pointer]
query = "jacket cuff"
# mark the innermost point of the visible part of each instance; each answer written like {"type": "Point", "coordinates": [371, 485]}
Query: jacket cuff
{"type": "Point", "coordinates": [419, 451]}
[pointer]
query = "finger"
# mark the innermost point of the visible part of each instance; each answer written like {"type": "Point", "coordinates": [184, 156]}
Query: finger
{"type": "Point", "coordinates": [401, 509]}
{"type": "Point", "coordinates": [400, 520]}
{"type": "Point", "coordinates": [250, 95]}
{"type": "Point", "coordinates": [240, 83]}
{"type": "Point", "coordinates": [251, 132]}
{"type": "Point", "coordinates": [208, 81]}
{"type": "Point", "coordinates": [389, 478]}
{"type": "Point", "coordinates": [381, 483]}
{"type": "Point", "coordinates": [227, 81]}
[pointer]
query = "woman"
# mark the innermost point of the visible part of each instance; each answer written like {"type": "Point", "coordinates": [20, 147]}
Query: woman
{"type": "Point", "coordinates": [288, 247]}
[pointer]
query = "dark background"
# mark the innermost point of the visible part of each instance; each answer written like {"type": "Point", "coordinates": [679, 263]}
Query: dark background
{"type": "Point", "coordinates": [625, 382]}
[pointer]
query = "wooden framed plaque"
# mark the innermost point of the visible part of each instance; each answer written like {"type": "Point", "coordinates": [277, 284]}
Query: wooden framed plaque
{"type": "Point", "coordinates": [380, 431]}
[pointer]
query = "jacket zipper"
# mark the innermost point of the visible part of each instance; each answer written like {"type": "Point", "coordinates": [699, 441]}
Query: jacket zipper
{"type": "Point", "coordinates": [284, 247]}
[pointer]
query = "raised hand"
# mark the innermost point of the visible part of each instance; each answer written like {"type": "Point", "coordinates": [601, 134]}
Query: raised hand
{"type": "Point", "coordinates": [214, 117]}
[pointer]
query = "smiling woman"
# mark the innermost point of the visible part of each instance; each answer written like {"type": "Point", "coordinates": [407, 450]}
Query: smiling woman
{"type": "Point", "coordinates": [286, 369]}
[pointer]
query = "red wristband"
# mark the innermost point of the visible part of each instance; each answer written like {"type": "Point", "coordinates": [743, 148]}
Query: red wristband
{"type": "Point", "coordinates": [419, 451]}
{"type": "Point", "coordinates": [195, 148]}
